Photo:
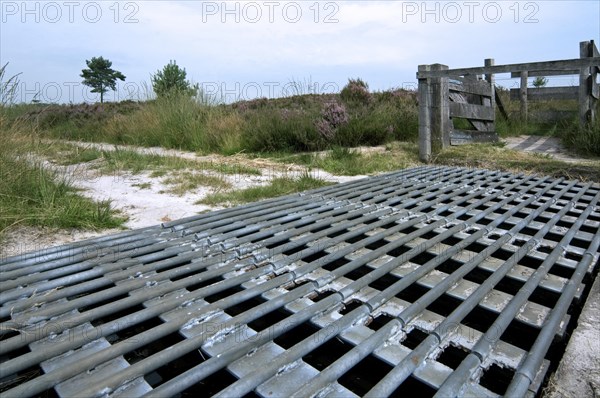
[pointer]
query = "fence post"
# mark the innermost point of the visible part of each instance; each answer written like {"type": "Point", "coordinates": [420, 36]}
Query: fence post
{"type": "Point", "coordinates": [595, 87]}
{"type": "Point", "coordinates": [586, 100]}
{"type": "Point", "coordinates": [490, 79]}
{"type": "Point", "coordinates": [424, 116]}
{"type": "Point", "coordinates": [440, 110]}
{"type": "Point", "coordinates": [523, 95]}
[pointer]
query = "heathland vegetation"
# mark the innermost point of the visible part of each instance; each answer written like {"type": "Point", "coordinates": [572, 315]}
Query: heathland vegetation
{"type": "Point", "coordinates": [286, 129]}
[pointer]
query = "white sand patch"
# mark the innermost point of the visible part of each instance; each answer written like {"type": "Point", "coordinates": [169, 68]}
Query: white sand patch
{"type": "Point", "coordinates": [146, 200]}
{"type": "Point", "coordinates": [144, 206]}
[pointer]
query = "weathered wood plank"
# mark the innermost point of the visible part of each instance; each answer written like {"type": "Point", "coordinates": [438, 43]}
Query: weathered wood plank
{"type": "Point", "coordinates": [477, 124]}
{"type": "Point", "coordinates": [457, 97]}
{"type": "Point", "coordinates": [523, 94]}
{"type": "Point", "coordinates": [461, 137]}
{"type": "Point", "coordinates": [490, 80]}
{"type": "Point", "coordinates": [585, 90]}
{"type": "Point", "coordinates": [484, 127]}
{"type": "Point", "coordinates": [470, 111]}
{"type": "Point", "coordinates": [467, 78]}
{"type": "Point", "coordinates": [475, 87]}
{"type": "Point", "coordinates": [595, 90]}
{"type": "Point", "coordinates": [516, 75]}
{"type": "Point", "coordinates": [501, 105]}
{"type": "Point", "coordinates": [440, 120]}
{"type": "Point", "coordinates": [595, 87]}
{"type": "Point", "coordinates": [424, 117]}
{"type": "Point", "coordinates": [547, 93]}
{"type": "Point", "coordinates": [565, 64]}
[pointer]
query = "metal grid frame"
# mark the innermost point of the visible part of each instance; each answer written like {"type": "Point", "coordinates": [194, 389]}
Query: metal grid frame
{"type": "Point", "coordinates": [437, 280]}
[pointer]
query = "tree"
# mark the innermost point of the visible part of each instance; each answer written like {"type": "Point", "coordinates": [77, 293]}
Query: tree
{"type": "Point", "coordinates": [540, 81]}
{"type": "Point", "coordinates": [100, 76]}
{"type": "Point", "coordinates": [171, 80]}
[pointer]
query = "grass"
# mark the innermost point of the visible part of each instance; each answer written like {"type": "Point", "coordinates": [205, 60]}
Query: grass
{"type": "Point", "coordinates": [344, 161]}
{"type": "Point", "coordinates": [284, 128]}
{"type": "Point", "coordinates": [30, 194]}
{"type": "Point", "coordinates": [187, 181]}
{"type": "Point", "coordinates": [352, 162]}
{"type": "Point", "coordinates": [285, 124]}
{"type": "Point", "coordinates": [130, 160]}
{"type": "Point", "coordinates": [65, 154]}
{"type": "Point", "coordinates": [277, 187]}
{"type": "Point", "coordinates": [495, 156]}
{"type": "Point", "coordinates": [143, 185]}
{"type": "Point", "coordinates": [584, 140]}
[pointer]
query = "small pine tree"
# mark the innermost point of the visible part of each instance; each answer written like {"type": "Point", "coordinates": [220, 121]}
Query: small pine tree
{"type": "Point", "coordinates": [100, 76]}
{"type": "Point", "coordinates": [540, 81]}
{"type": "Point", "coordinates": [172, 80]}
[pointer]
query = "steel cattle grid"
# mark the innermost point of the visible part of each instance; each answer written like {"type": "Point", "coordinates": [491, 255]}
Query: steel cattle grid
{"type": "Point", "coordinates": [433, 280]}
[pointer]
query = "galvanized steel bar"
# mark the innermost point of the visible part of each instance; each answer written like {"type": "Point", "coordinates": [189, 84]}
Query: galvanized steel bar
{"type": "Point", "coordinates": [210, 276]}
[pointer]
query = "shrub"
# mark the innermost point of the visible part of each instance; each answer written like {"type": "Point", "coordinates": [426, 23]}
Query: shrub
{"type": "Point", "coordinates": [273, 129]}
{"type": "Point", "coordinates": [356, 91]}
{"type": "Point", "coordinates": [333, 115]}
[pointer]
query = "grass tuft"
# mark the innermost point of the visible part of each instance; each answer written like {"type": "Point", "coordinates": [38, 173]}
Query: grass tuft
{"type": "Point", "coordinates": [186, 181]}
{"type": "Point", "coordinates": [33, 195]}
{"type": "Point", "coordinates": [584, 140]}
{"type": "Point", "coordinates": [495, 156]}
{"type": "Point", "coordinates": [352, 162]}
{"type": "Point", "coordinates": [277, 187]}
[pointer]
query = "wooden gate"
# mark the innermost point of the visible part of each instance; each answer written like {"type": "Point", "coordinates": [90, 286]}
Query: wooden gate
{"type": "Point", "coordinates": [472, 100]}
{"type": "Point", "coordinates": [448, 95]}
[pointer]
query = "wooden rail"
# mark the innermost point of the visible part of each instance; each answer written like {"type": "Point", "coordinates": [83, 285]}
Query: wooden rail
{"type": "Point", "coordinates": [446, 93]}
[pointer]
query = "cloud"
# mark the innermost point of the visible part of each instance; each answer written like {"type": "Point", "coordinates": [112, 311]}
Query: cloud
{"type": "Point", "coordinates": [241, 41]}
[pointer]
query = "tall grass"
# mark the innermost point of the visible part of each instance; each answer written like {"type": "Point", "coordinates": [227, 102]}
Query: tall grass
{"type": "Point", "coordinates": [30, 194]}
{"type": "Point", "coordinates": [585, 140]}
{"type": "Point", "coordinates": [283, 124]}
{"type": "Point", "coordinates": [8, 87]}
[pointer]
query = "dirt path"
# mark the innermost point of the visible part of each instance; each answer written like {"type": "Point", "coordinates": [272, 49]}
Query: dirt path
{"type": "Point", "coordinates": [540, 144]}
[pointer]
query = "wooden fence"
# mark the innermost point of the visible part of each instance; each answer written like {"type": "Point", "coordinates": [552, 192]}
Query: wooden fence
{"type": "Point", "coordinates": [446, 94]}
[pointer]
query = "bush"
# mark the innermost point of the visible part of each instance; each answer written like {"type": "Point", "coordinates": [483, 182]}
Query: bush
{"type": "Point", "coordinates": [356, 91]}
{"type": "Point", "coordinates": [390, 115]}
{"type": "Point", "coordinates": [81, 121]}
{"type": "Point", "coordinates": [334, 116]}
{"type": "Point", "coordinates": [273, 129]}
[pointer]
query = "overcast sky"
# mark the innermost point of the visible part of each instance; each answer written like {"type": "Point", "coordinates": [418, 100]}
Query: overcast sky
{"type": "Point", "coordinates": [248, 49]}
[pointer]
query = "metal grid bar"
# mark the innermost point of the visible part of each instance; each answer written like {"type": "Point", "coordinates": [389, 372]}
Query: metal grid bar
{"type": "Point", "coordinates": [447, 281]}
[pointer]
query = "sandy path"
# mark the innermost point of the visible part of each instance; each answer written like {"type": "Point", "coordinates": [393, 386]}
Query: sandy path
{"type": "Point", "coordinates": [145, 200]}
{"type": "Point", "coordinates": [545, 145]}
{"type": "Point", "coordinates": [153, 205]}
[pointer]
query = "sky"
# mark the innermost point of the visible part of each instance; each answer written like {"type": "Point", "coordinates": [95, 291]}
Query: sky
{"type": "Point", "coordinates": [239, 50]}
